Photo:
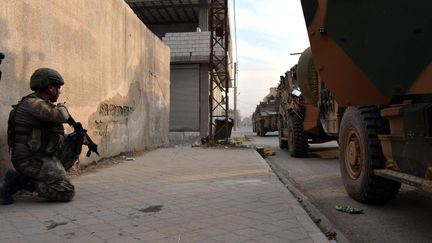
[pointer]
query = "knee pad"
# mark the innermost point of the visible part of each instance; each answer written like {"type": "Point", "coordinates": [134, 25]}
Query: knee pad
{"type": "Point", "coordinates": [59, 191]}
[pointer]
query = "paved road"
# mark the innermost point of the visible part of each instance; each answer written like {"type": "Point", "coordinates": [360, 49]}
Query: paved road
{"type": "Point", "coordinates": [407, 218]}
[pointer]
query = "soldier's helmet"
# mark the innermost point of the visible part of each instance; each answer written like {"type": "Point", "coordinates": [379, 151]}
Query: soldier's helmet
{"type": "Point", "coordinates": [43, 77]}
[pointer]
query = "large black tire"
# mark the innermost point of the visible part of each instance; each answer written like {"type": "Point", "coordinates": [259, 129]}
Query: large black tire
{"type": "Point", "coordinates": [297, 142]}
{"type": "Point", "coordinates": [283, 143]}
{"type": "Point", "coordinates": [258, 128]}
{"type": "Point", "coordinates": [360, 153]}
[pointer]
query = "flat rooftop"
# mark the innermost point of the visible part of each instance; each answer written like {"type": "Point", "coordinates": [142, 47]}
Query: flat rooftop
{"type": "Point", "coordinates": [167, 11]}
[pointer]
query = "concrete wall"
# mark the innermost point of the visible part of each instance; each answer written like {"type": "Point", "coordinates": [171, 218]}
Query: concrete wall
{"type": "Point", "coordinates": [116, 71]}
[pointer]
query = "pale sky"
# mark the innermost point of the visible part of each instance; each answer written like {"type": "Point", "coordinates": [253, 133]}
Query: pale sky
{"type": "Point", "coordinates": [267, 32]}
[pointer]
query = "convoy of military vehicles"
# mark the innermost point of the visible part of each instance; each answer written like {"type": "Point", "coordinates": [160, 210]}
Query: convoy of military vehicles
{"type": "Point", "coordinates": [264, 119]}
{"type": "Point", "coordinates": [366, 81]}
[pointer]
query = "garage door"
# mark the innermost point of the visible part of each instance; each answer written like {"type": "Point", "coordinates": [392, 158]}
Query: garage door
{"type": "Point", "coordinates": [184, 110]}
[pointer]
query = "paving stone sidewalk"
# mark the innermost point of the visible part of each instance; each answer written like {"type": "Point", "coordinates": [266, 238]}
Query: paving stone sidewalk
{"type": "Point", "coordinates": [168, 195]}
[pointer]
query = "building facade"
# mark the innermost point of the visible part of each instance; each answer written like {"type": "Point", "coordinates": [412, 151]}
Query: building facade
{"type": "Point", "coordinates": [184, 27]}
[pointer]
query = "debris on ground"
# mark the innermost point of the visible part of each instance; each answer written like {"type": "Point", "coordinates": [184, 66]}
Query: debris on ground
{"type": "Point", "coordinates": [204, 140]}
{"type": "Point", "coordinates": [331, 235]}
{"type": "Point", "coordinates": [151, 209]}
{"type": "Point", "coordinates": [94, 166]}
{"type": "Point", "coordinates": [349, 209]}
{"type": "Point", "coordinates": [239, 140]}
{"type": "Point", "coordinates": [269, 152]}
{"type": "Point", "coordinates": [52, 224]}
{"type": "Point", "coordinates": [232, 142]}
{"type": "Point", "coordinates": [265, 152]}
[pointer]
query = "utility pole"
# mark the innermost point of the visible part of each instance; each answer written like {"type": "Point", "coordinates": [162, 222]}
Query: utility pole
{"type": "Point", "coordinates": [218, 68]}
{"type": "Point", "coordinates": [235, 97]}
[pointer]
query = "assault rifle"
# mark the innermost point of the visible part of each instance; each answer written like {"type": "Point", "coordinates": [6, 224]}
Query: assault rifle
{"type": "Point", "coordinates": [82, 133]}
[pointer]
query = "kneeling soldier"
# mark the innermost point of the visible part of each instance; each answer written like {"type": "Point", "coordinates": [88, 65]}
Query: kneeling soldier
{"type": "Point", "coordinates": [41, 152]}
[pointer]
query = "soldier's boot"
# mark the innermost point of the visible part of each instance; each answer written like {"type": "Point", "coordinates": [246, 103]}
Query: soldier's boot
{"type": "Point", "coordinates": [10, 186]}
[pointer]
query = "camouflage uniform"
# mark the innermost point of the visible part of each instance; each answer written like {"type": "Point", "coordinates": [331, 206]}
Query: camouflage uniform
{"type": "Point", "coordinates": [42, 151]}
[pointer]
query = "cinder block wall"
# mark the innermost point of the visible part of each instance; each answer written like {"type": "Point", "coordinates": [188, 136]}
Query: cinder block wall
{"type": "Point", "coordinates": [116, 71]}
{"type": "Point", "coordinates": [190, 47]}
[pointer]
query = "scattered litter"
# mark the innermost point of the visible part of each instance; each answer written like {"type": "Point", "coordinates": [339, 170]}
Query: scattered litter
{"type": "Point", "coordinates": [69, 235]}
{"type": "Point", "coordinates": [331, 236]}
{"type": "Point", "coordinates": [265, 152]}
{"type": "Point", "coordinates": [130, 159]}
{"type": "Point", "coordinates": [204, 140]}
{"type": "Point", "coordinates": [53, 224]}
{"type": "Point", "coordinates": [349, 209]}
{"type": "Point", "coordinates": [269, 152]}
{"type": "Point", "coordinates": [151, 209]}
{"type": "Point", "coordinates": [239, 140]}
{"type": "Point", "coordinates": [197, 144]}
{"type": "Point", "coordinates": [236, 141]}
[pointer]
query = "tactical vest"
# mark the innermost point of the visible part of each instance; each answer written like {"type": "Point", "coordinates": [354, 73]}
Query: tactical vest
{"type": "Point", "coordinates": [40, 136]}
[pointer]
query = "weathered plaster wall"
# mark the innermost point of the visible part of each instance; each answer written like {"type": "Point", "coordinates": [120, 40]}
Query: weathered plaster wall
{"type": "Point", "coordinates": [116, 71]}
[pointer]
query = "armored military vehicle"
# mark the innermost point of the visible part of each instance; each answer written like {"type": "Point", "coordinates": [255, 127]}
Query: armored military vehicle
{"type": "Point", "coordinates": [302, 120]}
{"type": "Point", "coordinates": [264, 119]}
{"type": "Point", "coordinates": [374, 60]}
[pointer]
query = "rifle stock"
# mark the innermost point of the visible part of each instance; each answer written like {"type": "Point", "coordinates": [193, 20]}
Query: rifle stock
{"type": "Point", "coordinates": [92, 147]}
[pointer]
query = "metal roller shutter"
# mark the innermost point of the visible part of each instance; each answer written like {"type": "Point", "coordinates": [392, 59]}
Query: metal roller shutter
{"type": "Point", "coordinates": [184, 110]}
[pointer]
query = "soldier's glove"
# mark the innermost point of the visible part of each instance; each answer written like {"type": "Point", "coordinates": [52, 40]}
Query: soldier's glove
{"type": "Point", "coordinates": [64, 111]}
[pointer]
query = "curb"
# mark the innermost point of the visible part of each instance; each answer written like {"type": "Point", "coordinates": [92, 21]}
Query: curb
{"type": "Point", "coordinates": [317, 217]}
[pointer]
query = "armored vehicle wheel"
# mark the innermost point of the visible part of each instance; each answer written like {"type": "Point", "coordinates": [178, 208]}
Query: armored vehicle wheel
{"type": "Point", "coordinates": [258, 129]}
{"type": "Point", "coordinates": [261, 129]}
{"type": "Point", "coordinates": [360, 153]}
{"type": "Point", "coordinates": [297, 142]}
{"type": "Point", "coordinates": [283, 143]}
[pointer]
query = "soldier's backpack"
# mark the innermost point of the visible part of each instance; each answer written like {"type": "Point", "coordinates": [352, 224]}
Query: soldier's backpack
{"type": "Point", "coordinates": [11, 125]}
